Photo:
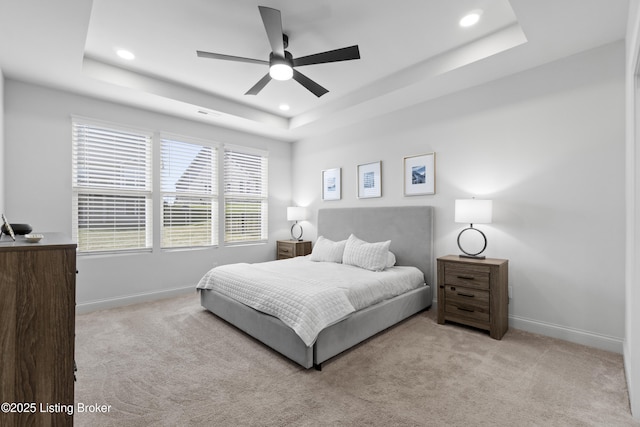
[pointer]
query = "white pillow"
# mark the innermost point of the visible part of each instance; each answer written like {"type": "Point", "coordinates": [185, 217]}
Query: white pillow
{"type": "Point", "coordinates": [391, 259]}
{"type": "Point", "coordinates": [326, 250]}
{"type": "Point", "coordinates": [371, 256]}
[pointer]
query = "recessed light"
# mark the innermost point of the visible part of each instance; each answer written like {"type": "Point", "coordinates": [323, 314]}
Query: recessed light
{"type": "Point", "coordinates": [284, 107]}
{"type": "Point", "coordinates": [471, 18]}
{"type": "Point", "coordinates": [125, 54]}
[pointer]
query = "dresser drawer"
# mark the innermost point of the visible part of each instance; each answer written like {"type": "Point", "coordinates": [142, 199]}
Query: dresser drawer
{"type": "Point", "coordinates": [286, 250]}
{"type": "Point", "coordinates": [293, 248]}
{"type": "Point", "coordinates": [469, 303]}
{"type": "Point", "coordinates": [467, 296]}
{"type": "Point", "coordinates": [467, 275]}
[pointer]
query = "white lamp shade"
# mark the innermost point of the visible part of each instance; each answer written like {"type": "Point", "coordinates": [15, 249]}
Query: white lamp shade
{"type": "Point", "coordinates": [295, 213]}
{"type": "Point", "coordinates": [472, 211]}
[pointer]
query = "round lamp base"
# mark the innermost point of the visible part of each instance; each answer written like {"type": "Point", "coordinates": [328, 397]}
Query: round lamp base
{"type": "Point", "coordinates": [469, 253]}
{"type": "Point", "coordinates": [296, 235]}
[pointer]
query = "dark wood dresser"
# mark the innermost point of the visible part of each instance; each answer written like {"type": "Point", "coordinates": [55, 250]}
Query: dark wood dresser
{"type": "Point", "coordinates": [37, 329]}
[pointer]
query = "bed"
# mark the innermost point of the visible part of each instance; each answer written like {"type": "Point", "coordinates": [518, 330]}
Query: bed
{"type": "Point", "coordinates": [409, 228]}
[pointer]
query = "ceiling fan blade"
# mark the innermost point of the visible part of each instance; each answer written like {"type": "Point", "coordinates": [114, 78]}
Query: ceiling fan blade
{"type": "Point", "coordinates": [312, 86]}
{"type": "Point", "coordinates": [272, 20]}
{"type": "Point", "coordinates": [259, 86]}
{"type": "Point", "coordinates": [344, 54]}
{"type": "Point", "coordinates": [203, 54]}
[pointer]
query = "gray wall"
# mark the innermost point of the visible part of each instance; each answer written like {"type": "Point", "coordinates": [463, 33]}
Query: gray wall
{"type": "Point", "coordinates": [547, 145]}
{"type": "Point", "coordinates": [38, 191]}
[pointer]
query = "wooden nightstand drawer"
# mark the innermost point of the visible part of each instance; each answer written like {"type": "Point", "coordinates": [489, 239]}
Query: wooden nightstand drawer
{"type": "Point", "coordinates": [474, 276]}
{"type": "Point", "coordinates": [467, 296]}
{"type": "Point", "coordinates": [286, 250]}
{"type": "Point", "coordinates": [467, 302]}
{"type": "Point", "coordinates": [463, 312]}
{"type": "Point", "coordinates": [292, 248]}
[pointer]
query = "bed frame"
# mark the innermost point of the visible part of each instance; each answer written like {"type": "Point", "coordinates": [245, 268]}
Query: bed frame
{"type": "Point", "coordinates": [410, 229]}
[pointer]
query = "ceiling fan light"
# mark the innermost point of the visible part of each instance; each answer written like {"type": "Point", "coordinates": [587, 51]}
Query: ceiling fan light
{"type": "Point", "coordinates": [280, 72]}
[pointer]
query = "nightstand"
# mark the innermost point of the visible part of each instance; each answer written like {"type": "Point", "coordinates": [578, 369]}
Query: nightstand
{"type": "Point", "coordinates": [474, 292]}
{"type": "Point", "coordinates": [292, 248]}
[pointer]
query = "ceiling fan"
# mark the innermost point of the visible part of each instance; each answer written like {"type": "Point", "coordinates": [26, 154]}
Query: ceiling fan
{"type": "Point", "coordinates": [281, 62]}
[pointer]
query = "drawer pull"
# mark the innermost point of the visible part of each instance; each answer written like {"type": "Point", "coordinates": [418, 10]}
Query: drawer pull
{"type": "Point", "coordinates": [466, 277]}
{"type": "Point", "coordinates": [284, 250]}
{"type": "Point", "coordinates": [466, 309]}
{"type": "Point", "coordinates": [466, 295]}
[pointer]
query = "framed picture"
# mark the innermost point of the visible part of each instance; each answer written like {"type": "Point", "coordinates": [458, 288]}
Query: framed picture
{"type": "Point", "coordinates": [331, 184]}
{"type": "Point", "coordinates": [369, 180]}
{"type": "Point", "coordinates": [420, 174]}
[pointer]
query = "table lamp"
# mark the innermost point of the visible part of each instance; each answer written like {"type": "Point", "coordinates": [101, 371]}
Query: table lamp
{"type": "Point", "coordinates": [473, 211]}
{"type": "Point", "coordinates": [296, 213]}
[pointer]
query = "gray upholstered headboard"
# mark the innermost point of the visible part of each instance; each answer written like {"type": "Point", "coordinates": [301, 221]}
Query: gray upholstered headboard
{"type": "Point", "coordinates": [410, 229]}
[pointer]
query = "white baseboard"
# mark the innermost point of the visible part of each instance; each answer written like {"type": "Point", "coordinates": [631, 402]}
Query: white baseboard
{"type": "Point", "coordinates": [103, 304]}
{"type": "Point", "coordinates": [591, 339]}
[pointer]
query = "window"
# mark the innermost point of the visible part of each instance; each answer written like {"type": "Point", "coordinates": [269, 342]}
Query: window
{"type": "Point", "coordinates": [115, 191]}
{"type": "Point", "coordinates": [245, 195]}
{"type": "Point", "coordinates": [189, 194]}
{"type": "Point", "coordinates": [111, 188]}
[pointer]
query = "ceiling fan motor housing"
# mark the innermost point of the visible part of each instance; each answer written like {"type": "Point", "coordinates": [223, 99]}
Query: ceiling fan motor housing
{"type": "Point", "coordinates": [276, 59]}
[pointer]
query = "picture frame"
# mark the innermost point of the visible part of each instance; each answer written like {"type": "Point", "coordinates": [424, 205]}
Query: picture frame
{"type": "Point", "coordinates": [420, 174]}
{"type": "Point", "coordinates": [332, 184]}
{"type": "Point", "coordinates": [7, 226]}
{"type": "Point", "coordinates": [370, 180]}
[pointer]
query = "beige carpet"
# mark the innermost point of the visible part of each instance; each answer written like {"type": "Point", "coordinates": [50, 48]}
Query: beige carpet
{"type": "Point", "coordinates": [171, 363]}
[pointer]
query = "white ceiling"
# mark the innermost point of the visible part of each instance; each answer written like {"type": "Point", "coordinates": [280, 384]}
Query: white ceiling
{"type": "Point", "coordinates": [411, 51]}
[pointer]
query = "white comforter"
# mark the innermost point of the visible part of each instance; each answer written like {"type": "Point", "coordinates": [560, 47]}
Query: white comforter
{"type": "Point", "coordinates": [306, 295]}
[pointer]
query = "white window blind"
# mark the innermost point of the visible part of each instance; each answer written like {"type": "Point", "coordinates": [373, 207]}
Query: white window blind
{"type": "Point", "coordinates": [245, 196]}
{"type": "Point", "coordinates": [111, 188]}
{"type": "Point", "coordinates": [189, 194]}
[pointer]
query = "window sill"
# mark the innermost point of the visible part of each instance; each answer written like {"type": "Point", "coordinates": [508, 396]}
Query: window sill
{"type": "Point", "coordinates": [239, 244]}
{"type": "Point", "coordinates": [108, 254]}
{"type": "Point", "coordinates": [189, 248]}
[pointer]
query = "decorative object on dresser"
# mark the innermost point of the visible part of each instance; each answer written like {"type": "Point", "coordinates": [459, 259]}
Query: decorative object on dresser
{"type": "Point", "coordinates": [296, 213]}
{"type": "Point", "coordinates": [293, 248]}
{"type": "Point", "coordinates": [18, 229]}
{"type": "Point", "coordinates": [331, 184]}
{"type": "Point", "coordinates": [6, 228]}
{"type": "Point", "coordinates": [472, 211]}
{"type": "Point", "coordinates": [420, 174]}
{"type": "Point", "coordinates": [33, 237]}
{"type": "Point", "coordinates": [370, 180]}
{"type": "Point", "coordinates": [474, 292]}
{"type": "Point", "coordinates": [37, 314]}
